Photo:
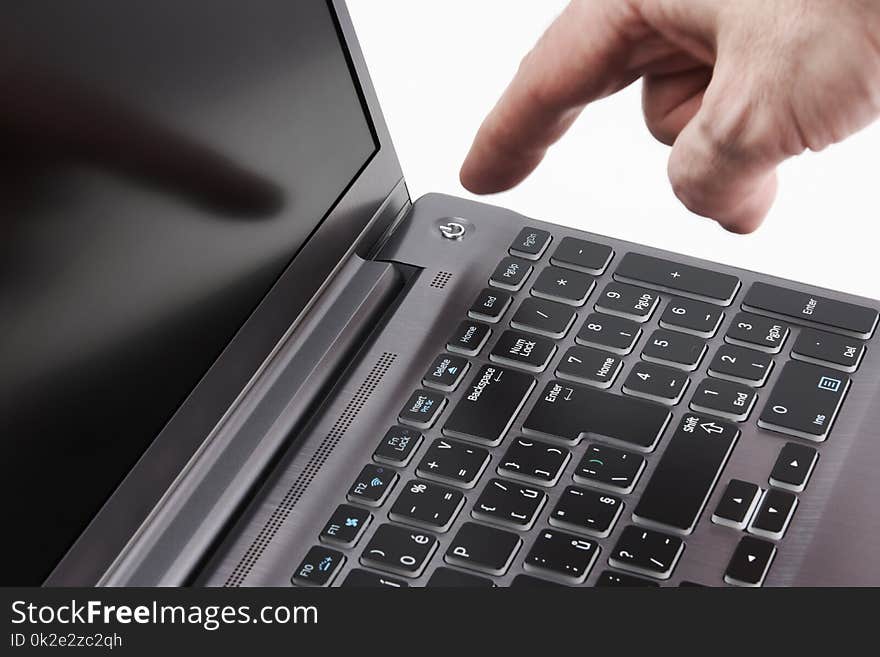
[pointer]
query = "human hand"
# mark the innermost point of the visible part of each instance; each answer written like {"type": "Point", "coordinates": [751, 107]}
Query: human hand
{"type": "Point", "coordinates": [734, 87]}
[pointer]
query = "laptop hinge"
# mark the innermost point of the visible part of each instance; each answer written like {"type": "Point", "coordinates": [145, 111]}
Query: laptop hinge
{"type": "Point", "coordinates": [194, 512]}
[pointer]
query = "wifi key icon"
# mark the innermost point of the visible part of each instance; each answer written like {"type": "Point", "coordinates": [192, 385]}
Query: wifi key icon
{"type": "Point", "coordinates": [372, 485]}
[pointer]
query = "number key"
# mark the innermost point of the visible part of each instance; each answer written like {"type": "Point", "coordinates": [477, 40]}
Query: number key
{"type": "Point", "coordinates": [725, 399]}
{"type": "Point", "coordinates": [675, 349]}
{"type": "Point", "coordinates": [757, 333]}
{"type": "Point", "coordinates": [741, 365]}
{"type": "Point", "coordinates": [628, 301]}
{"type": "Point", "coordinates": [614, 334]}
{"type": "Point", "coordinates": [399, 550]}
{"type": "Point", "coordinates": [656, 382]}
{"type": "Point", "coordinates": [695, 317]}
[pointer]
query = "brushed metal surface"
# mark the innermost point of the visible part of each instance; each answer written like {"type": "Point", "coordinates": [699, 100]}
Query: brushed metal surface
{"type": "Point", "coordinates": [833, 538]}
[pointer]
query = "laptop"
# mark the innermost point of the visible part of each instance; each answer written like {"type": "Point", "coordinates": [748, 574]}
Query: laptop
{"type": "Point", "coordinates": [234, 352]}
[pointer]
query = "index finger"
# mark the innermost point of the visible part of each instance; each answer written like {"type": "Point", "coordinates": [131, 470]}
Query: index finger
{"type": "Point", "coordinates": [582, 56]}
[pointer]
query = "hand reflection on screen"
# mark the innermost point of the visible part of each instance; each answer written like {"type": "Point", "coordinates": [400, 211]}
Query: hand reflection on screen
{"type": "Point", "coordinates": [48, 122]}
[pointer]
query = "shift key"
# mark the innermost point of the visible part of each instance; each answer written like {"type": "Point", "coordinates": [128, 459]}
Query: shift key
{"type": "Point", "coordinates": [686, 474]}
{"type": "Point", "coordinates": [490, 405]}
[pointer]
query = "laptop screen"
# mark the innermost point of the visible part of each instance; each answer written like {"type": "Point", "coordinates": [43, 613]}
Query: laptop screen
{"type": "Point", "coordinates": [162, 163]}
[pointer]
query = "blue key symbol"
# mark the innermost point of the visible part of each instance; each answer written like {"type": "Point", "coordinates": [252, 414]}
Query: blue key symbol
{"type": "Point", "coordinates": [351, 522]}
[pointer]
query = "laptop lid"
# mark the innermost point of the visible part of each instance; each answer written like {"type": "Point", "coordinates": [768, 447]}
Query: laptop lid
{"type": "Point", "coordinates": [179, 180]}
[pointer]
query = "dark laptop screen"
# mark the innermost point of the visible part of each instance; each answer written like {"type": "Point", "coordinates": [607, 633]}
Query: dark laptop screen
{"type": "Point", "coordinates": [162, 162]}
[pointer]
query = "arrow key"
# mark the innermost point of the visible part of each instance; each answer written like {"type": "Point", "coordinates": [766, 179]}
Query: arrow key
{"type": "Point", "coordinates": [775, 514]}
{"type": "Point", "coordinates": [737, 504]}
{"type": "Point", "coordinates": [750, 562]}
{"type": "Point", "coordinates": [793, 467]}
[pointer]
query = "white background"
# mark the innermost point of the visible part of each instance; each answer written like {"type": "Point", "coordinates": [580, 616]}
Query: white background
{"type": "Point", "coordinates": [438, 67]}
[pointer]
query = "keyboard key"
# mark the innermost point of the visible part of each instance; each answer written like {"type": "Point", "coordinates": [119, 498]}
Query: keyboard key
{"type": "Point", "coordinates": [534, 462]}
{"type": "Point", "coordinates": [523, 350]}
{"type": "Point", "coordinates": [586, 511]}
{"type": "Point", "coordinates": [490, 305]}
{"type": "Point", "coordinates": [828, 350]}
{"type": "Point", "coordinates": [584, 256]}
{"type": "Point", "coordinates": [750, 562]}
{"type": "Point", "coordinates": [530, 243]}
{"type": "Point", "coordinates": [805, 401]}
{"type": "Point", "coordinates": [610, 579]}
{"type": "Point", "coordinates": [609, 468]}
{"type": "Point", "coordinates": [372, 485]}
{"type": "Point", "coordinates": [564, 555]}
{"type": "Point", "coordinates": [774, 514]}
{"type": "Point", "coordinates": [656, 382]}
{"type": "Point", "coordinates": [568, 412]}
{"type": "Point", "coordinates": [793, 467]}
{"type": "Point", "coordinates": [590, 366]}
{"type": "Point", "coordinates": [469, 338]}
{"type": "Point", "coordinates": [564, 286]}
{"type": "Point", "coordinates": [757, 333]}
{"type": "Point", "coordinates": [399, 550]}
{"type": "Point", "coordinates": [494, 399]}
{"type": "Point", "coordinates": [737, 504]}
{"type": "Point", "coordinates": [450, 578]}
{"type": "Point", "coordinates": [422, 409]}
{"type": "Point", "coordinates": [506, 503]}
{"type": "Point", "coordinates": [628, 302]}
{"type": "Point", "coordinates": [510, 274]}
{"type": "Point", "coordinates": [829, 314]}
{"type": "Point", "coordinates": [360, 578]}
{"type": "Point", "coordinates": [543, 317]}
{"type": "Point", "coordinates": [646, 552]}
{"type": "Point", "coordinates": [446, 372]}
{"type": "Point", "coordinates": [483, 548]}
{"type": "Point", "coordinates": [686, 474]}
{"type": "Point", "coordinates": [397, 446]}
{"type": "Point", "coordinates": [346, 525]}
{"type": "Point", "coordinates": [610, 333]}
{"type": "Point", "coordinates": [529, 582]}
{"type": "Point", "coordinates": [741, 365]}
{"type": "Point", "coordinates": [694, 317]}
{"type": "Point", "coordinates": [676, 349]}
{"type": "Point", "coordinates": [426, 505]}
{"type": "Point", "coordinates": [318, 567]}
{"type": "Point", "coordinates": [689, 281]}
{"type": "Point", "coordinates": [726, 399]}
{"type": "Point", "coordinates": [453, 462]}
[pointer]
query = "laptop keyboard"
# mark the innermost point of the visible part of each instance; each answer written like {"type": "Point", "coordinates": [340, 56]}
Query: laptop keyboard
{"type": "Point", "coordinates": [590, 445]}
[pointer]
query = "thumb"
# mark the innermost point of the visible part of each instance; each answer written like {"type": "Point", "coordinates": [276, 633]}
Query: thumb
{"type": "Point", "coordinates": [723, 163]}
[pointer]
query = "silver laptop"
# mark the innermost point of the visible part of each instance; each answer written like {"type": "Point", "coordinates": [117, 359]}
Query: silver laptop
{"type": "Point", "coordinates": [233, 352]}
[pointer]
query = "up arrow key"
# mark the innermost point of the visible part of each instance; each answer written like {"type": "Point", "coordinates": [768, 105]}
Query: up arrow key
{"type": "Point", "coordinates": [794, 464]}
{"type": "Point", "coordinates": [772, 510]}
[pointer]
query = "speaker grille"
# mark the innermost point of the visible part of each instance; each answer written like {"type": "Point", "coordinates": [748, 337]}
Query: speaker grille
{"type": "Point", "coordinates": [441, 279]}
{"type": "Point", "coordinates": [315, 463]}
